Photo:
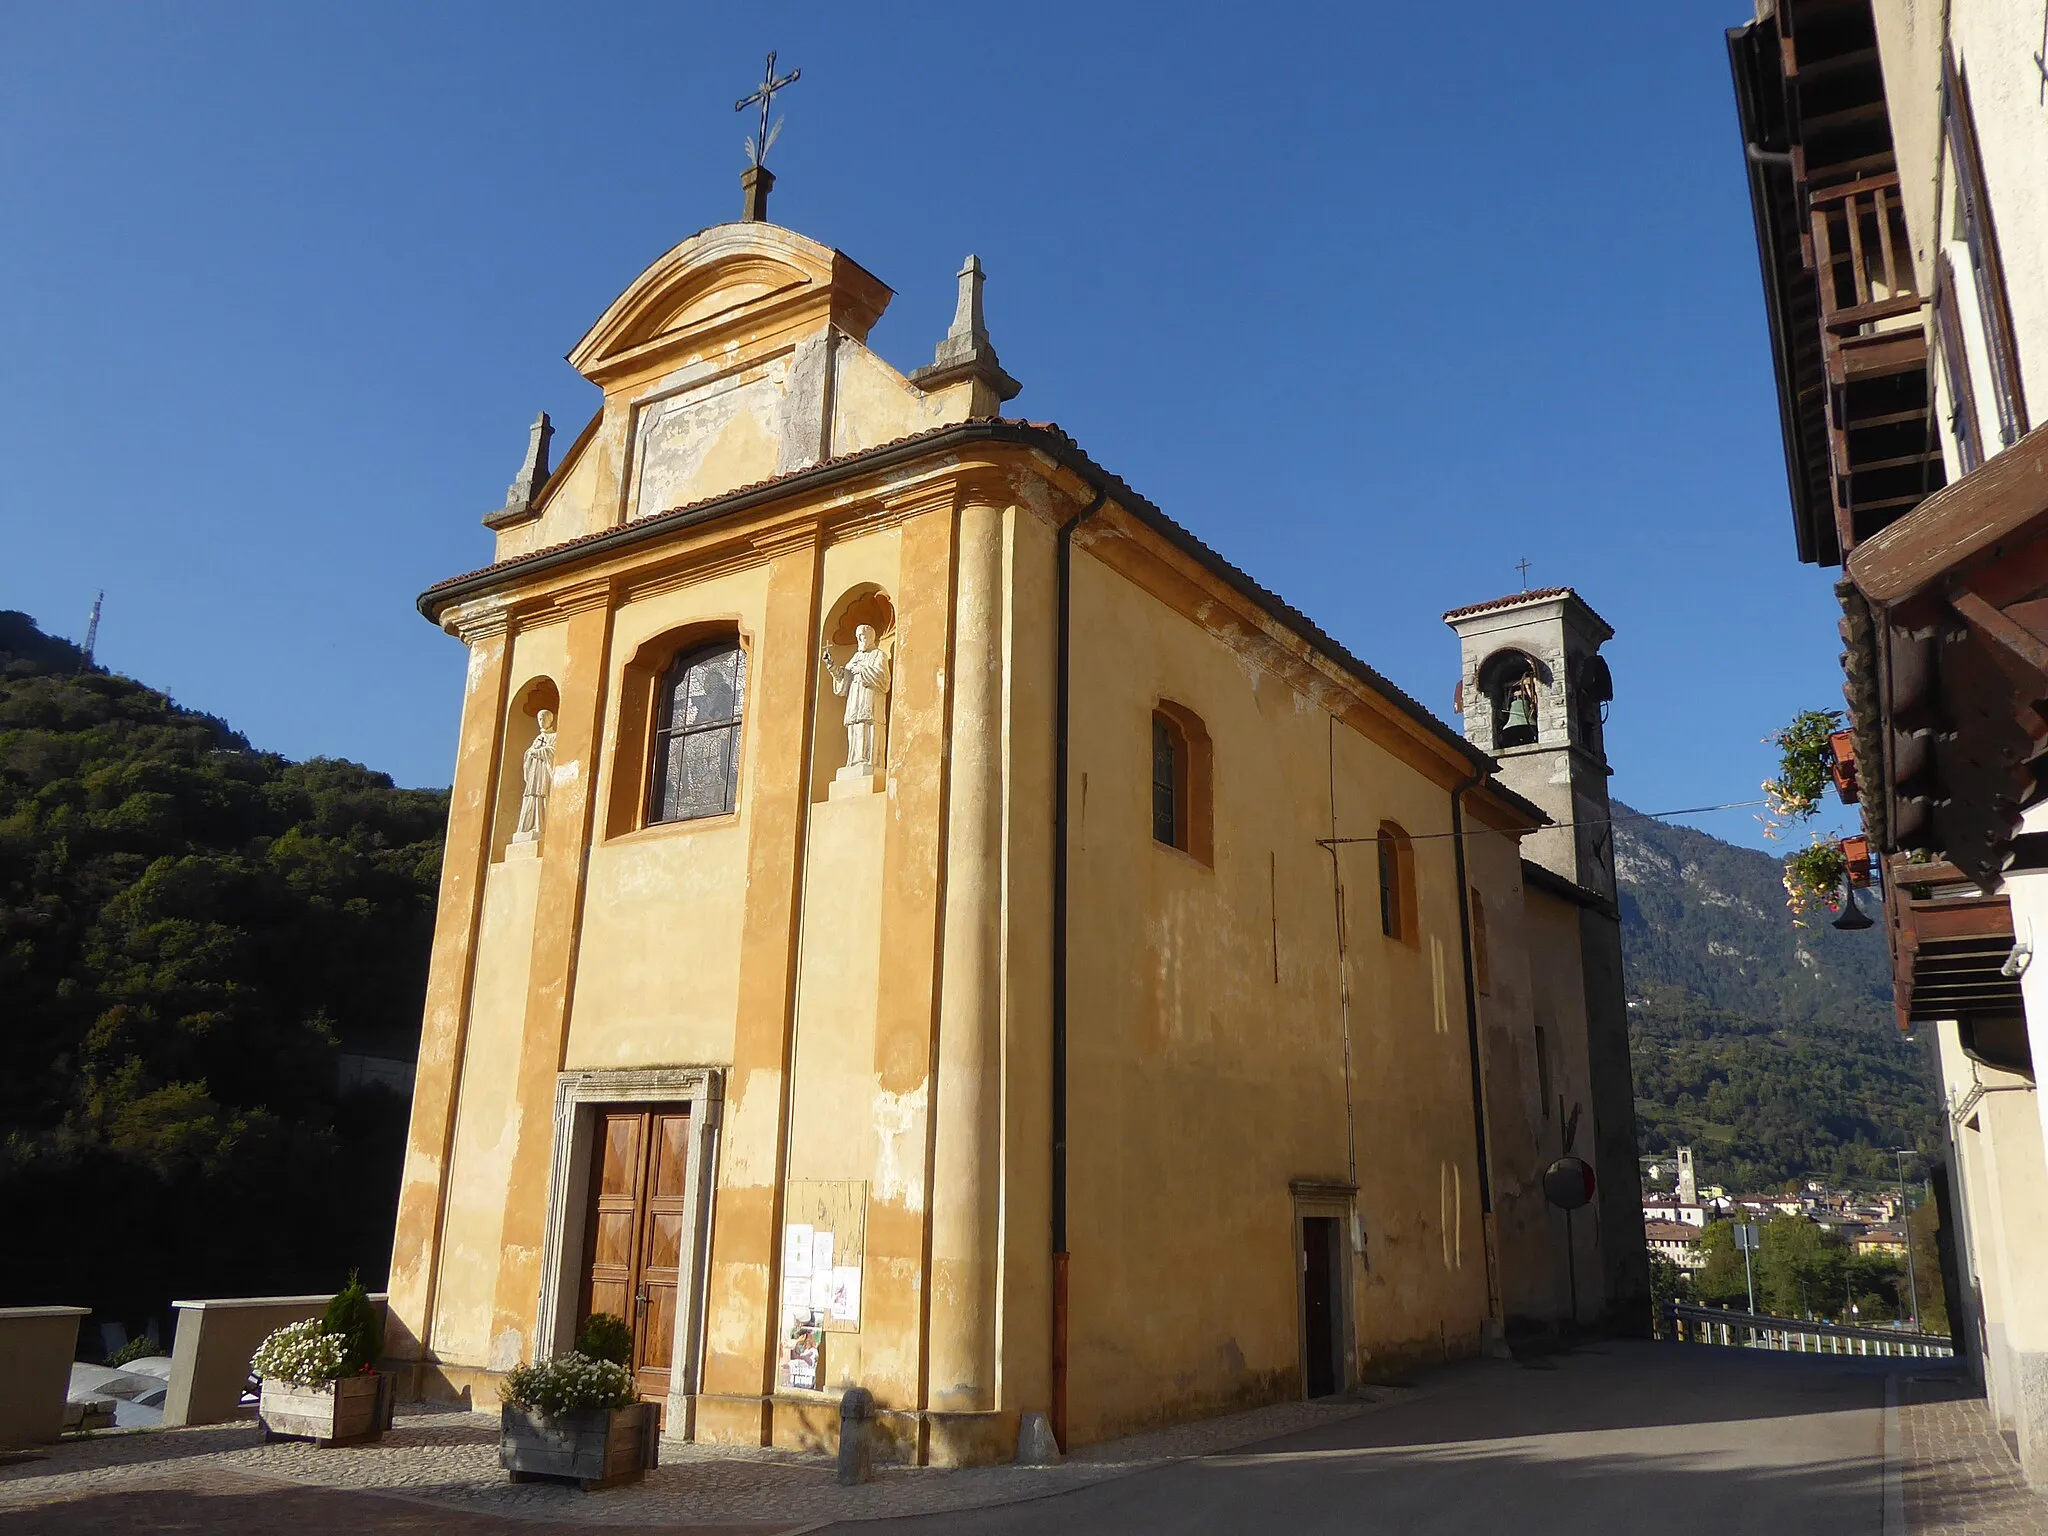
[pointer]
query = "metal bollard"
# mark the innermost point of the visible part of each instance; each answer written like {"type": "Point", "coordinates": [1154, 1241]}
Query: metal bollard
{"type": "Point", "coordinates": [856, 1436]}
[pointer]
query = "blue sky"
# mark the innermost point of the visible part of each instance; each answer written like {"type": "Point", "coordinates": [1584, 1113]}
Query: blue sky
{"type": "Point", "coordinates": [1377, 300]}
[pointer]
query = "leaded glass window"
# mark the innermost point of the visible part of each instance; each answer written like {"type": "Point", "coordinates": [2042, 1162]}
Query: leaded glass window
{"type": "Point", "coordinates": [697, 735]}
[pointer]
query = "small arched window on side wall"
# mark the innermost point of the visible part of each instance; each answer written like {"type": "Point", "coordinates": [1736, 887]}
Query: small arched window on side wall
{"type": "Point", "coordinates": [1181, 768]}
{"type": "Point", "coordinates": [1397, 884]}
{"type": "Point", "coordinates": [695, 766]}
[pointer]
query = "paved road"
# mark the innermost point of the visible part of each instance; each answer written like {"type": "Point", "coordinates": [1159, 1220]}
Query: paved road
{"type": "Point", "coordinates": [1617, 1437]}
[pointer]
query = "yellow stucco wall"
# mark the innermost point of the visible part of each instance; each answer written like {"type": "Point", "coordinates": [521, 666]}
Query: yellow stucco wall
{"type": "Point", "coordinates": [1200, 1083]}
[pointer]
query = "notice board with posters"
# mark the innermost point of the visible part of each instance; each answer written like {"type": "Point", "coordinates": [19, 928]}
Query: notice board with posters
{"type": "Point", "coordinates": [824, 1233]}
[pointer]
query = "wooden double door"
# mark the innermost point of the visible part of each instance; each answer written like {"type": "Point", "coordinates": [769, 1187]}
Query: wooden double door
{"type": "Point", "coordinates": [638, 1217]}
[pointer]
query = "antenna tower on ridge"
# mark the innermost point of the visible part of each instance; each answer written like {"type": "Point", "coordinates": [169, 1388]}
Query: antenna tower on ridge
{"type": "Point", "coordinates": [92, 628]}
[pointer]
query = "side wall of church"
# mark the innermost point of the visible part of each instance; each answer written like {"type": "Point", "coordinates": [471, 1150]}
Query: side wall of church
{"type": "Point", "coordinates": [1207, 1037]}
{"type": "Point", "coordinates": [1559, 988]}
{"type": "Point", "coordinates": [1521, 1135]}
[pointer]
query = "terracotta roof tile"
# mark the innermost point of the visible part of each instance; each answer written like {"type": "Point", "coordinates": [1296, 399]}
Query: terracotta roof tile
{"type": "Point", "coordinates": [1510, 601]}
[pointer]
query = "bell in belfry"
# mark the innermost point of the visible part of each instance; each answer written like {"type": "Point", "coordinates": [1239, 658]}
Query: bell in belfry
{"type": "Point", "coordinates": [1518, 720]}
{"type": "Point", "coordinates": [1518, 717]}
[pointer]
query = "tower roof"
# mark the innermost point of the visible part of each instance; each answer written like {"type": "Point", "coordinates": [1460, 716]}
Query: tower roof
{"type": "Point", "coordinates": [1521, 599]}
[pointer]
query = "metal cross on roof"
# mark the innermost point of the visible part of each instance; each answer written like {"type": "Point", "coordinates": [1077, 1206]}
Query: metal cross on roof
{"type": "Point", "coordinates": [764, 97]}
{"type": "Point", "coordinates": [1522, 565]}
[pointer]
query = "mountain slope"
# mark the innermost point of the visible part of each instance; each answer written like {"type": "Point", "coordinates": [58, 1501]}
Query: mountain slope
{"type": "Point", "coordinates": [190, 933]}
{"type": "Point", "coordinates": [1769, 1048]}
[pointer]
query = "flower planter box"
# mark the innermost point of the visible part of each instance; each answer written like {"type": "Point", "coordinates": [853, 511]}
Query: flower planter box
{"type": "Point", "coordinates": [597, 1448]}
{"type": "Point", "coordinates": [1856, 858]}
{"type": "Point", "coordinates": [1842, 744]}
{"type": "Point", "coordinates": [346, 1412]}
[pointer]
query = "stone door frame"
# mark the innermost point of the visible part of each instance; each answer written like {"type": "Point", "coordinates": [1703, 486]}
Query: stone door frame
{"type": "Point", "coordinates": [1337, 1199]}
{"type": "Point", "coordinates": [578, 1098]}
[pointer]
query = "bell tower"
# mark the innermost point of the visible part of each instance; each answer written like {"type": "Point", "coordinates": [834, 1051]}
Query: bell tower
{"type": "Point", "coordinates": [1534, 690]}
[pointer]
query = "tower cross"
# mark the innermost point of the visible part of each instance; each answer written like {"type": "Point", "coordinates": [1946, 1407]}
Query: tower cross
{"type": "Point", "coordinates": [764, 97]}
{"type": "Point", "coordinates": [1522, 565]}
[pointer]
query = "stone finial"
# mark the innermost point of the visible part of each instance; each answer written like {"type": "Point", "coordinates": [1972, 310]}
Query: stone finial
{"type": "Point", "coordinates": [968, 330]}
{"type": "Point", "coordinates": [966, 352]}
{"type": "Point", "coordinates": [533, 473]}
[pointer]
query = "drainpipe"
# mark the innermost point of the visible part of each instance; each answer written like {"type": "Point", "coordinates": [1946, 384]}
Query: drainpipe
{"type": "Point", "coordinates": [1479, 1132]}
{"type": "Point", "coordinates": [1062, 711]}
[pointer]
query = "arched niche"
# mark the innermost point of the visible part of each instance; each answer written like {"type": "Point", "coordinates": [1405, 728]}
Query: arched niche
{"type": "Point", "coordinates": [864, 603]}
{"type": "Point", "coordinates": [1504, 677]}
{"type": "Point", "coordinates": [522, 724]}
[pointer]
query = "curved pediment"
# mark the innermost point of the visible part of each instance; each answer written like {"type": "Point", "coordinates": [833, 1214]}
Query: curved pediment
{"type": "Point", "coordinates": [718, 286]}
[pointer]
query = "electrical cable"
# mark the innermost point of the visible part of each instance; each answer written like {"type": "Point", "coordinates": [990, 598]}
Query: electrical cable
{"type": "Point", "coordinates": [1603, 821]}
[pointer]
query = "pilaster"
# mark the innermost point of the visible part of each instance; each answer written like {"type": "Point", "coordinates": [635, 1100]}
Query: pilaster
{"type": "Point", "coordinates": [895, 1299]}
{"type": "Point", "coordinates": [966, 1114]}
{"type": "Point", "coordinates": [422, 1196]}
{"type": "Point", "coordinates": [558, 911]}
{"type": "Point", "coordinates": [740, 1343]}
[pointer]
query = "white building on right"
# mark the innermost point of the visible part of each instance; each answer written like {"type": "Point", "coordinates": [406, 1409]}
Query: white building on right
{"type": "Point", "coordinates": [1897, 157]}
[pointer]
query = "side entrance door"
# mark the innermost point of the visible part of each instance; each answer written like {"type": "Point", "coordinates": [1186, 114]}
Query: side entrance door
{"type": "Point", "coordinates": [1319, 1305]}
{"type": "Point", "coordinates": [637, 1215]}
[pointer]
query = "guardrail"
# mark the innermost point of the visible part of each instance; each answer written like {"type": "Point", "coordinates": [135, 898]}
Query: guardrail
{"type": "Point", "coordinates": [1755, 1330]}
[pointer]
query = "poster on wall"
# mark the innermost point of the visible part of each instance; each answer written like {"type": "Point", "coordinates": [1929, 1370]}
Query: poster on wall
{"type": "Point", "coordinates": [803, 1356]}
{"type": "Point", "coordinates": [823, 1244]}
{"type": "Point", "coordinates": [796, 1249]}
{"type": "Point", "coordinates": [844, 1297]}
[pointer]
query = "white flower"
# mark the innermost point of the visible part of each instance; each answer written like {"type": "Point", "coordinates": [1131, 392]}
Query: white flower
{"type": "Point", "coordinates": [568, 1384]}
{"type": "Point", "coordinates": [301, 1354]}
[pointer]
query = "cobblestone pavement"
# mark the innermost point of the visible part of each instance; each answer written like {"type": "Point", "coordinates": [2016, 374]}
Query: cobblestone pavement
{"type": "Point", "coordinates": [439, 1472]}
{"type": "Point", "coordinates": [1961, 1478]}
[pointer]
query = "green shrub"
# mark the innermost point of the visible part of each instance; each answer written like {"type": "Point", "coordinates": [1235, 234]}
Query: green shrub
{"type": "Point", "coordinates": [605, 1336]}
{"type": "Point", "coordinates": [354, 1317]}
{"type": "Point", "coordinates": [135, 1349]}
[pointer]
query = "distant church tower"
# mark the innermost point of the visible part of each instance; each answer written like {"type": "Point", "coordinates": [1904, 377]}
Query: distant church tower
{"type": "Point", "coordinates": [1688, 1183]}
{"type": "Point", "coordinates": [1534, 691]}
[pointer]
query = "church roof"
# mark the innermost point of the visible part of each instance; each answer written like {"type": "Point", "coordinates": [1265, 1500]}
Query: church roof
{"type": "Point", "coordinates": [1044, 436]}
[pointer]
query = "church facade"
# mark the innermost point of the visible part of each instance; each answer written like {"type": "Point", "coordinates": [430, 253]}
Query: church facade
{"type": "Point", "coordinates": [914, 917]}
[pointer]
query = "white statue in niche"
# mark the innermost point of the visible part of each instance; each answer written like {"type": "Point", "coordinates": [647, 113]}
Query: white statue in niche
{"type": "Point", "coordinates": [863, 682]}
{"type": "Point", "coordinates": [538, 770]}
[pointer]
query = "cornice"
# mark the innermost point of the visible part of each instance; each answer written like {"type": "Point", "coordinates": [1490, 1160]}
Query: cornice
{"type": "Point", "coordinates": [937, 451]}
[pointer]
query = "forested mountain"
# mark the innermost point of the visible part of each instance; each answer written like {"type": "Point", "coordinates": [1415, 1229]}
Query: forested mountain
{"type": "Point", "coordinates": [1769, 1048]}
{"type": "Point", "coordinates": [191, 932]}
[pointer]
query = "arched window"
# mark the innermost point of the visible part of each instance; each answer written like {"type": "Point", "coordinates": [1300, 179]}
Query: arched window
{"type": "Point", "coordinates": [1181, 781]}
{"type": "Point", "coordinates": [1397, 884]}
{"type": "Point", "coordinates": [1169, 783]}
{"type": "Point", "coordinates": [696, 760]}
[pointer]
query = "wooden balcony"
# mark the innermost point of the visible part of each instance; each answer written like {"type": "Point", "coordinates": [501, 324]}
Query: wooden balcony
{"type": "Point", "coordinates": [1949, 943]}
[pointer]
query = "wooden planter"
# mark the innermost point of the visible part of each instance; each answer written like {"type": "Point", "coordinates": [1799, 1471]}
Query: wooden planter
{"type": "Point", "coordinates": [1856, 858]}
{"type": "Point", "coordinates": [598, 1448]}
{"type": "Point", "coordinates": [1843, 769]}
{"type": "Point", "coordinates": [346, 1412]}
